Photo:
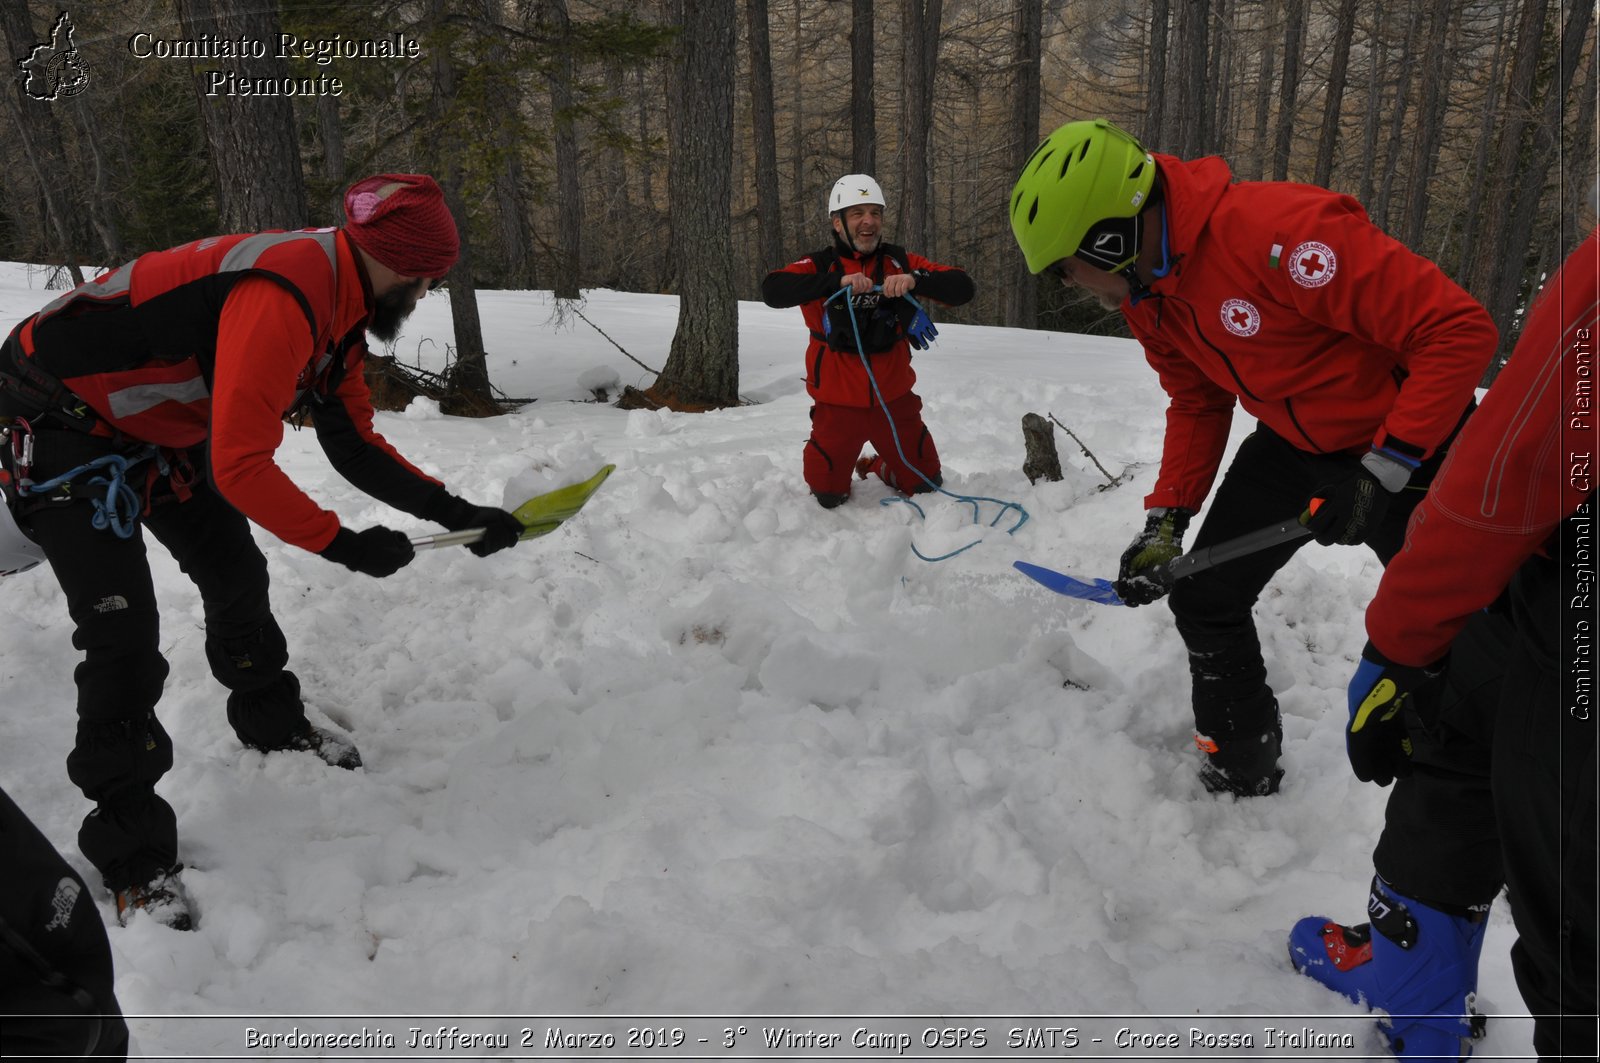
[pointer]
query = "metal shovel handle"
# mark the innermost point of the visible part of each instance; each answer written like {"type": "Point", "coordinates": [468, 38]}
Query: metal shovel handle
{"type": "Point", "coordinates": [466, 537]}
{"type": "Point", "coordinates": [1248, 543]}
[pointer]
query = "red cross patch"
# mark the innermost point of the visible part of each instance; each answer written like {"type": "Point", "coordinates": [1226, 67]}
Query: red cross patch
{"type": "Point", "coordinates": [1241, 318]}
{"type": "Point", "coordinates": [1313, 264]}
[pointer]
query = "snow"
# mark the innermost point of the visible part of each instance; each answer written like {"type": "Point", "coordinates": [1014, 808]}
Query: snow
{"type": "Point", "coordinates": [712, 750]}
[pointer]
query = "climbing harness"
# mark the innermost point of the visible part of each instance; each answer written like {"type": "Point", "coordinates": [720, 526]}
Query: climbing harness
{"type": "Point", "coordinates": [117, 509]}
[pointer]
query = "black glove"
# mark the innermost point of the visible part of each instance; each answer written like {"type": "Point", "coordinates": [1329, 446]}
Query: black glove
{"type": "Point", "coordinates": [500, 528]}
{"type": "Point", "coordinates": [1142, 577]}
{"type": "Point", "coordinates": [1346, 511]}
{"type": "Point", "coordinates": [376, 551]}
{"type": "Point", "coordinates": [1376, 738]}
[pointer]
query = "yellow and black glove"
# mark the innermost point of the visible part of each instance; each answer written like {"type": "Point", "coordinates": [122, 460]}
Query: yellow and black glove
{"type": "Point", "coordinates": [1142, 577]}
{"type": "Point", "coordinates": [1376, 739]}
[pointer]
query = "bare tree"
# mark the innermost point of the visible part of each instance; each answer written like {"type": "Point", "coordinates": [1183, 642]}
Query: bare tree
{"type": "Point", "coordinates": [1480, 158]}
{"type": "Point", "coordinates": [1288, 86]}
{"type": "Point", "coordinates": [863, 105]}
{"type": "Point", "coordinates": [1377, 49]}
{"type": "Point", "coordinates": [1333, 101]}
{"type": "Point", "coordinates": [1021, 305]}
{"type": "Point", "coordinates": [1192, 109]}
{"type": "Point", "coordinates": [255, 147]}
{"type": "Point", "coordinates": [1430, 120]}
{"type": "Point", "coordinates": [769, 219]}
{"type": "Point", "coordinates": [1156, 83]}
{"type": "Point", "coordinates": [569, 193]}
{"type": "Point", "coordinates": [920, 43]}
{"type": "Point", "coordinates": [702, 367]}
{"type": "Point", "coordinates": [1397, 119]}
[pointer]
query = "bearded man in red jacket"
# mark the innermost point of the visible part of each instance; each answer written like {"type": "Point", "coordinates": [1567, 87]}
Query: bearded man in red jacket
{"type": "Point", "coordinates": [153, 398]}
{"type": "Point", "coordinates": [1358, 358]}
{"type": "Point", "coordinates": [873, 324]}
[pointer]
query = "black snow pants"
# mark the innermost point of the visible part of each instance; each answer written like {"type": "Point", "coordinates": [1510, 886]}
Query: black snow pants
{"type": "Point", "coordinates": [54, 957]}
{"type": "Point", "coordinates": [1269, 481]}
{"type": "Point", "coordinates": [1504, 790]}
{"type": "Point", "coordinates": [122, 750]}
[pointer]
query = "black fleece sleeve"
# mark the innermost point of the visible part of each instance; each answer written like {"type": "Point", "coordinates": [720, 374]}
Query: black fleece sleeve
{"type": "Point", "coordinates": [783, 288]}
{"type": "Point", "coordinates": [951, 287]}
{"type": "Point", "coordinates": [369, 467]}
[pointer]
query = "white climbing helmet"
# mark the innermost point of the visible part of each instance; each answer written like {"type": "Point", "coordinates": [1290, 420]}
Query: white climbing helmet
{"type": "Point", "coordinates": [852, 190]}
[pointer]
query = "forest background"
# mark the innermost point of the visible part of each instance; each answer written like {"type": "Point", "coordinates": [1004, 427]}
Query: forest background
{"type": "Point", "coordinates": [687, 146]}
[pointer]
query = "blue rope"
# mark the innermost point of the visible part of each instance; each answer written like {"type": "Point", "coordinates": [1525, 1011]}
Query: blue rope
{"type": "Point", "coordinates": [118, 510]}
{"type": "Point", "coordinates": [894, 434]}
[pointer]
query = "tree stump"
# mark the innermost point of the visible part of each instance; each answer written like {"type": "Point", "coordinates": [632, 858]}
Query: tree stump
{"type": "Point", "coordinates": [1040, 438]}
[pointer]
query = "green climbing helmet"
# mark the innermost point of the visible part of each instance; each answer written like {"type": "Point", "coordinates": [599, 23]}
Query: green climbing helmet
{"type": "Point", "coordinates": [1083, 174]}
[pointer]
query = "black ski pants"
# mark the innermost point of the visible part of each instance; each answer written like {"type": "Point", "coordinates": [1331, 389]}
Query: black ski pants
{"type": "Point", "coordinates": [1504, 790]}
{"type": "Point", "coordinates": [122, 750]}
{"type": "Point", "coordinates": [1269, 481]}
{"type": "Point", "coordinates": [56, 994]}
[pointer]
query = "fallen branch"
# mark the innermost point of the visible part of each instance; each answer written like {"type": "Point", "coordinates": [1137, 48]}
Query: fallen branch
{"type": "Point", "coordinates": [614, 343]}
{"type": "Point", "coordinates": [1086, 451]}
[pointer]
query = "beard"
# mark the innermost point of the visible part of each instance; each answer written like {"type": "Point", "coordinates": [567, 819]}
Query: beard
{"type": "Point", "coordinates": [389, 312]}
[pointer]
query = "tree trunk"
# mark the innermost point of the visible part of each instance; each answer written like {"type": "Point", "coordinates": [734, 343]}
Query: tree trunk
{"type": "Point", "coordinates": [1155, 90]}
{"type": "Point", "coordinates": [1021, 305]}
{"type": "Point", "coordinates": [1192, 119]}
{"type": "Point", "coordinates": [1397, 120]}
{"type": "Point", "coordinates": [1578, 182]}
{"type": "Point", "coordinates": [769, 218]}
{"type": "Point", "coordinates": [1480, 155]}
{"type": "Point", "coordinates": [1504, 180]}
{"type": "Point", "coordinates": [1269, 64]}
{"type": "Point", "coordinates": [863, 106]}
{"type": "Point", "coordinates": [1288, 87]}
{"type": "Point", "coordinates": [468, 374]}
{"type": "Point", "coordinates": [568, 252]}
{"type": "Point", "coordinates": [255, 146]}
{"type": "Point", "coordinates": [1519, 228]}
{"type": "Point", "coordinates": [330, 132]}
{"type": "Point", "coordinates": [102, 201]}
{"type": "Point", "coordinates": [702, 369]}
{"type": "Point", "coordinates": [1379, 50]}
{"type": "Point", "coordinates": [1430, 121]}
{"type": "Point", "coordinates": [920, 61]}
{"type": "Point", "coordinates": [1332, 104]}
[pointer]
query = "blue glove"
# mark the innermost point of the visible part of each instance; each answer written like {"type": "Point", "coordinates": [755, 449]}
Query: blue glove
{"type": "Point", "coordinates": [1376, 739]}
{"type": "Point", "coordinates": [920, 332]}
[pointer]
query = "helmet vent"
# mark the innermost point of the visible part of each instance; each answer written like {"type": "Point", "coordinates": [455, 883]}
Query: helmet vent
{"type": "Point", "coordinates": [1043, 154]}
{"type": "Point", "coordinates": [1137, 170]}
{"type": "Point", "coordinates": [1064, 164]}
{"type": "Point", "coordinates": [1033, 211]}
{"type": "Point", "coordinates": [1083, 151]}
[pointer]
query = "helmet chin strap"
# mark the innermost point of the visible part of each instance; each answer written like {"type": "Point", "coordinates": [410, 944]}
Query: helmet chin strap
{"type": "Point", "coordinates": [1137, 288]}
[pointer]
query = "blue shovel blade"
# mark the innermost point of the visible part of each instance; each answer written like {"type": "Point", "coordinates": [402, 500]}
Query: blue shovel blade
{"type": "Point", "coordinates": [1098, 590]}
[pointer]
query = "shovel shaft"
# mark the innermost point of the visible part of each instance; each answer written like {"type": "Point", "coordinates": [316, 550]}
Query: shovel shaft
{"type": "Point", "coordinates": [455, 538]}
{"type": "Point", "coordinates": [1260, 539]}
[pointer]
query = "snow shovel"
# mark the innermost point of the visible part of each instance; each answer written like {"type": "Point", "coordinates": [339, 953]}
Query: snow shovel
{"type": "Point", "coordinates": [1103, 591]}
{"type": "Point", "coordinates": [540, 515]}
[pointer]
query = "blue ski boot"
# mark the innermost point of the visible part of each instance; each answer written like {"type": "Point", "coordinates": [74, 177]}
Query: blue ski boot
{"type": "Point", "coordinates": [1417, 963]}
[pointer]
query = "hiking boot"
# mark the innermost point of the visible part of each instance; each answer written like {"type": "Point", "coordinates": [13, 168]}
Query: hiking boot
{"type": "Point", "coordinates": [829, 500]}
{"type": "Point", "coordinates": [162, 898]}
{"type": "Point", "coordinates": [340, 752]}
{"type": "Point", "coordinates": [337, 751]}
{"type": "Point", "coordinates": [1415, 962]}
{"type": "Point", "coordinates": [1244, 765]}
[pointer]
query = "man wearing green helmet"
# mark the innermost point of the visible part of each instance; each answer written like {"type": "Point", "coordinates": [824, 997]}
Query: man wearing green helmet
{"type": "Point", "coordinates": [1357, 357]}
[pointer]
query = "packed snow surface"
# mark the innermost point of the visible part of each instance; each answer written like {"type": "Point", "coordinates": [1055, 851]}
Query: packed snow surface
{"type": "Point", "coordinates": [709, 749]}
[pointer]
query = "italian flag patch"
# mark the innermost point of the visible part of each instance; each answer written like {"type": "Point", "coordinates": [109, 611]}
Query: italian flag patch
{"type": "Point", "coordinates": [1277, 253]}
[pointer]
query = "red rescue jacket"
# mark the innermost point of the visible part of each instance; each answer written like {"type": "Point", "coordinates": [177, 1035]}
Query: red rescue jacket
{"type": "Point", "coordinates": [837, 376]}
{"type": "Point", "coordinates": [215, 341]}
{"type": "Point", "coordinates": [1286, 299]}
{"type": "Point", "coordinates": [1525, 460]}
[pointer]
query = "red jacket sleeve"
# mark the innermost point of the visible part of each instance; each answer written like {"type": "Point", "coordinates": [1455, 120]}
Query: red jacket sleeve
{"type": "Point", "coordinates": [263, 346]}
{"type": "Point", "coordinates": [1199, 415]}
{"type": "Point", "coordinates": [1511, 476]}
